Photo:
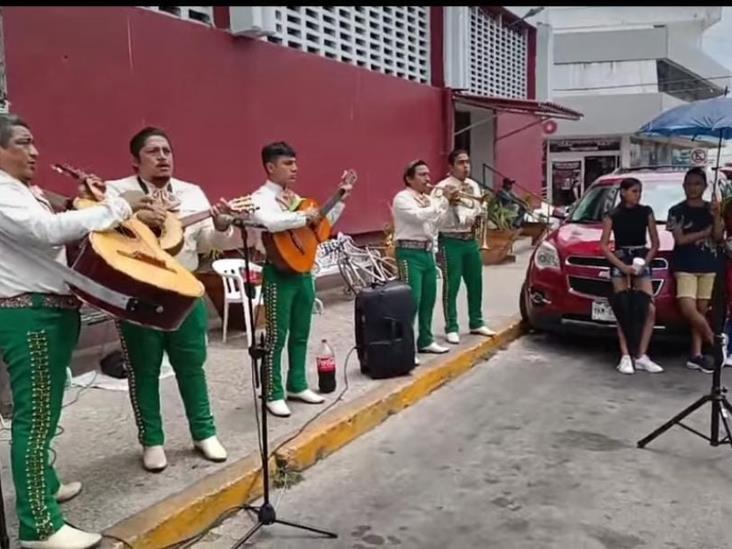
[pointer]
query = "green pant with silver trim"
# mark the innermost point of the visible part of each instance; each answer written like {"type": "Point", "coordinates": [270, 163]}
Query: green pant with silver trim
{"type": "Point", "coordinates": [460, 260]}
{"type": "Point", "coordinates": [417, 268]}
{"type": "Point", "coordinates": [143, 350]}
{"type": "Point", "coordinates": [37, 343]}
{"type": "Point", "coordinates": [288, 305]}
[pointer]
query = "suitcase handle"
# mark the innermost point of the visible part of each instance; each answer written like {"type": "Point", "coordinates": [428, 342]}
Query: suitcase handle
{"type": "Point", "coordinates": [393, 324]}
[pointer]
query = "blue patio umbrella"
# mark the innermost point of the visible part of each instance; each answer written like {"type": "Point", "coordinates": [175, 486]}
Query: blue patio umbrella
{"type": "Point", "coordinates": [706, 118]}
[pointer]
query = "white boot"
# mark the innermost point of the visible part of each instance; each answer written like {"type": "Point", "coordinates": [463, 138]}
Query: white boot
{"type": "Point", "coordinates": [484, 331]}
{"type": "Point", "coordinates": [434, 348]}
{"type": "Point", "coordinates": [65, 537]}
{"type": "Point", "coordinates": [68, 491]}
{"type": "Point", "coordinates": [278, 408]}
{"type": "Point", "coordinates": [417, 362]}
{"type": "Point", "coordinates": [306, 396]}
{"type": "Point", "coordinates": [453, 338]}
{"type": "Point", "coordinates": [153, 458]}
{"type": "Point", "coordinates": [211, 449]}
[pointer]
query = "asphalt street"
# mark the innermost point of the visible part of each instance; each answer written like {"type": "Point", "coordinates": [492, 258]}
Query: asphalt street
{"type": "Point", "coordinates": [535, 448]}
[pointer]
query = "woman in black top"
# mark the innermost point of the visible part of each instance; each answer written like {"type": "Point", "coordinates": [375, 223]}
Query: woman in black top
{"type": "Point", "coordinates": [630, 223]}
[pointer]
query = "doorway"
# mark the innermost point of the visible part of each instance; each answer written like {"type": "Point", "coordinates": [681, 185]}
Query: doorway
{"type": "Point", "coordinates": [595, 166]}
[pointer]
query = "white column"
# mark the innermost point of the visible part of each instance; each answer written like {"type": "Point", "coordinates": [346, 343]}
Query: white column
{"type": "Point", "coordinates": [457, 47]}
{"type": "Point", "coordinates": [544, 61]}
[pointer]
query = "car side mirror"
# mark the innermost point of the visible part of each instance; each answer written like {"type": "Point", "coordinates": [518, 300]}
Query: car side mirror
{"type": "Point", "coordinates": [560, 212]}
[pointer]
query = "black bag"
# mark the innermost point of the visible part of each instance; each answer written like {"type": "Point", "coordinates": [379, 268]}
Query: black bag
{"type": "Point", "coordinates": [384, 332]}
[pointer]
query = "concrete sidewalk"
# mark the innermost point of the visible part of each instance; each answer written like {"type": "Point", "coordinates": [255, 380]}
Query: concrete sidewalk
{"type": "Point", "coordinates": [98, 445]}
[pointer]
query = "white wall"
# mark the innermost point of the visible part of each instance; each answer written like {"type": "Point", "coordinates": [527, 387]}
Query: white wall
{"type": "Point", "coordinates": [567, 78]}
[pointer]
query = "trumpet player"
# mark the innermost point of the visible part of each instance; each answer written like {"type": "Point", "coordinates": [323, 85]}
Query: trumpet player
{"type": "Point", "coordinates": [458, 254]}
{"type": "Point", "coordinates": [416, 215]}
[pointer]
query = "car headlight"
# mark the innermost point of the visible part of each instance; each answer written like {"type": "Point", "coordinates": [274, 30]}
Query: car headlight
{"type": "Point", "coordinates": [547, 257]}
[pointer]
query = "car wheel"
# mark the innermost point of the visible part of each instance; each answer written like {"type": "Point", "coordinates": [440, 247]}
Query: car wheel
{"type": "Point", "coordinates": [522, 305]}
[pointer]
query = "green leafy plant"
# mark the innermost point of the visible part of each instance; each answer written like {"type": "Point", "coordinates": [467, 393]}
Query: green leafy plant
{"type": "Point", "coordinates": [498, 216]}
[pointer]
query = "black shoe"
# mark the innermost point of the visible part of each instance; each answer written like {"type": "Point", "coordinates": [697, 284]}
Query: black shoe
{"type": "Point", "coordinates": [702, 363]}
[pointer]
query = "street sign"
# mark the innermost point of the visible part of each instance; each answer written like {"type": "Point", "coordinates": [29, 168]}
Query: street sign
{"type": "Point", "coordinates": [699, 156]}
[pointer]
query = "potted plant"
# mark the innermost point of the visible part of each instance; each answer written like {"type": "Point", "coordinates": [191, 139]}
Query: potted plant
{"type": "Point", "coordinates": [499, 232]}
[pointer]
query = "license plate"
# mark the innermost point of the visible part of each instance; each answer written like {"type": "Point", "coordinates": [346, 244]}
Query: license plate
{"type": "Point", "coordinates": [601, 311]}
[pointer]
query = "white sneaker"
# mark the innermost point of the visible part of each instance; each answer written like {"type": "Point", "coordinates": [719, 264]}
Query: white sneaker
{"type": "Point", "coordinates": [278, 408]}
{"type": "Point", "coordinates": [306, 396]}
{"type": "Point", "coordinates": [68, 491]}
{"type": "Point", "coordinates": [645, 363]}
{"type": "Point", "coordinates": [484, 331]}
{"type": "Point", "coordinates": [434, 348]}
{"type": "Point", "coordinates": [453, 338]}
{"type": "Point", "coordinates": [65, 537]}
{"type": "Point", "coordinates": [211, 449]}
{"type": "Point", "coordinates": [417, 362]}
{"type": "Point", "coordinates": [626, 365]}
{"type": "Point", "coordinates": [153, 459]}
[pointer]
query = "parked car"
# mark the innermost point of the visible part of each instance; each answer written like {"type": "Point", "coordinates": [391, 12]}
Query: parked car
{"type": "Point", "coordinates": [568, 283]}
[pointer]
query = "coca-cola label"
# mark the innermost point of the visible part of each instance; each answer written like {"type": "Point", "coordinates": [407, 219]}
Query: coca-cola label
{"type": "Point", "coordinates": [326, 363]}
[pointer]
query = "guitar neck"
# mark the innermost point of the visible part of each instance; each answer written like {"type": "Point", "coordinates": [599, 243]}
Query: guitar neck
{"type": "Point", "coordinates": [328, 206]}
{"type": "Point", "coordinates": [194, 218]}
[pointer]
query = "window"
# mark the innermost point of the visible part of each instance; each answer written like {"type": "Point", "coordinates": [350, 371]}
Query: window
{"type": "Point", "coordinates": [377, 37]}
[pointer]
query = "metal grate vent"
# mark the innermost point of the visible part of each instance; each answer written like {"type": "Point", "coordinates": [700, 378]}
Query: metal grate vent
{"type": "Point", "coordinates": [389, 39]}
{"type": "Point", "coordinates": [498, 57]}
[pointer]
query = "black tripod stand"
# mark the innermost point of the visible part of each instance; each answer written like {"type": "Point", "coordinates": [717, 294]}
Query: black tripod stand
{"type": "Point", "coordinates": [720, 404]}
{"type": "Point", "coordinates": [266, 515]}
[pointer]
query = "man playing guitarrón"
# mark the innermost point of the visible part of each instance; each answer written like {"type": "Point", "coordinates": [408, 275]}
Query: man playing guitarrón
{"type": "Point", "coordinates": [458, 253]}
{"type": "Point", "coordinates": [152, 156]}
{"type": "Point", "coordinates": [39, 327]}
{"type": "Point", "coordinates": [288, 297]}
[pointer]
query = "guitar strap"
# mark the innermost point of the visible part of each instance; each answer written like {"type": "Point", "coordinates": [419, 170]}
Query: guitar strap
{"type": "Point", "coordinates": [71, 277]}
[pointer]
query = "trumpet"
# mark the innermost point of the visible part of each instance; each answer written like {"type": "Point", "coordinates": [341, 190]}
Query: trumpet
{"type": "Point", "coordinates": [439, 192]}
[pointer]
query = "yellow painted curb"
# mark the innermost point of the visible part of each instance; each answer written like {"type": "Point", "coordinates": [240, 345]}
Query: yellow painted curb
{"type": "Point", "coordinates": [190, 511]}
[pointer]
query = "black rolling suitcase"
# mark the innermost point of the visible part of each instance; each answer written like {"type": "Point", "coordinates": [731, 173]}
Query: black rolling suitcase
{"type": "Point", "coordinates": [384, 333]}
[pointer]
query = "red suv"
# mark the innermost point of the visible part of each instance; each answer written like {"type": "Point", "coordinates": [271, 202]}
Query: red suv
{"type": "Point", "coordinates": [568, 279]}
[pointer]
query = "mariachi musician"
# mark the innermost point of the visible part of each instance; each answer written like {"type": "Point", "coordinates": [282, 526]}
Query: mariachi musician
{"type": "Point", "coordinates": [143, 347]}
{"type": "Point", "coordinates": [458, 253]}
{"type": "Point", "coordinates": [416, 215]}
{"type": "Point", "coordinates": [288, 297]}
{"type": "Point", "coordinates": [39, 328]}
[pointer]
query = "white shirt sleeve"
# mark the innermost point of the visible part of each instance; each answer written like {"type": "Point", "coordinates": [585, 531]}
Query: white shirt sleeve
{"type": "Point", "coordinates": [38, 226]}
{"type": "Point", "coordinates": [410, 210]}
{"type": "Point", "coordinates": [335, 213]}
{"type": "Point", "coordinates": [273, 218]}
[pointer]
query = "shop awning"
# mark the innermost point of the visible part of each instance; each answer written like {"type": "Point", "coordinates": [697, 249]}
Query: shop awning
{"type": "Point", "coordinates": [543, 109]}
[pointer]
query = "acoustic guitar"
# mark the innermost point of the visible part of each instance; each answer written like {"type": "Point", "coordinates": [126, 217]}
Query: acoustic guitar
{"type": "Point", "coordinates": [294, 251]}
{"type": "Point", "coordinates": [172, 233]}
{"type": "Point", "coordinates": [129, 260]}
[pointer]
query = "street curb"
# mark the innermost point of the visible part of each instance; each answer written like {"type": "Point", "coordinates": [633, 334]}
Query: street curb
{"type": "Point", "coordinates": [196, 507]}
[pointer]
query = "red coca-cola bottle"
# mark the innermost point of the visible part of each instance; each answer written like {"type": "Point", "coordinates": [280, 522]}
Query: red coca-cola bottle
{"type": "Point", "coordinates": [325, 360]}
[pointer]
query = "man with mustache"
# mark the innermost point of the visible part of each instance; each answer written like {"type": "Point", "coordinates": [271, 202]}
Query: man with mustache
{"type": "Point", "coordinates": [39, 327]}
{"type": "Point", "coordinates": [143, 348]}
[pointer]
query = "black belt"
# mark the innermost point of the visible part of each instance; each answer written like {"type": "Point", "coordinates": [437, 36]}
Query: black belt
{"type": "Point", "coordinates": [424, 245]}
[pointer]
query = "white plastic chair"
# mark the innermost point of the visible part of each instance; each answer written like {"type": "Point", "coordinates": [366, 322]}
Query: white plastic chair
{"type": "Point", "coordinates": [230, 271]}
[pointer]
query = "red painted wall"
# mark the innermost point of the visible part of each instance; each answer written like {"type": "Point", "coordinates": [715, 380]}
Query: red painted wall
{"type": "Point", "coordinates": [91, 77]}
{"type": "Point", "coordinates": [519, 155]}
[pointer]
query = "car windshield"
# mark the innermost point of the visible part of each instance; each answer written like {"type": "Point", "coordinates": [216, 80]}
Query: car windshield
{"type": "Point", "coordinates": [659, 195]}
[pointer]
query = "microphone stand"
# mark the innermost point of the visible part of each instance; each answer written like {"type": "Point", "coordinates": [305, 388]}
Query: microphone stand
{"type": "Point", "coordinates": [266, 514]}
